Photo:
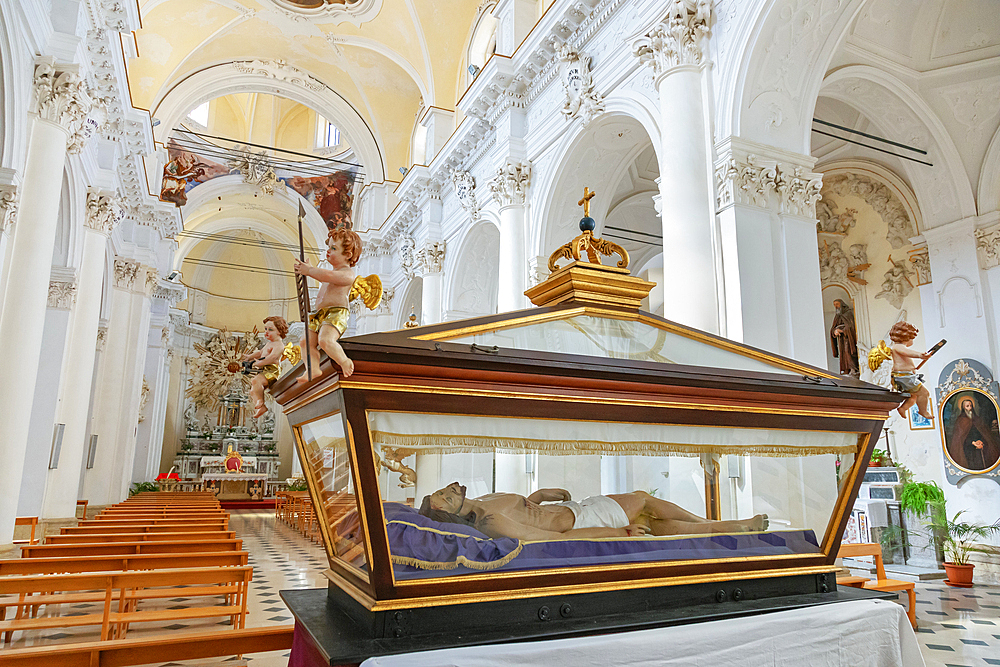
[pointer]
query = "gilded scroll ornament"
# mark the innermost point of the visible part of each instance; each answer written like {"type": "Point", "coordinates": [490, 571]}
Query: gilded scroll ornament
{"type": "Point", "coordinates": [587, 242]}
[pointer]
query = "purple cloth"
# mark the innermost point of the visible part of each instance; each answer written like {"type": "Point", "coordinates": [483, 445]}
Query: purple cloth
{"type": "Point", "coordinates": [446, 549]}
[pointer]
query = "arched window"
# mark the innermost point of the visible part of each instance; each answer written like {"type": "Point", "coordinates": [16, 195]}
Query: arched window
{"type": "Point", "coordinates": [483, 43]}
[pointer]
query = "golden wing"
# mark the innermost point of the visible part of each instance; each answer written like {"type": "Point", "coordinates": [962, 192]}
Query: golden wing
{"type": "Point", "coordinates": [877, 355]}
{"type": "Point", "coordinates": [293, 353]}
{"type": "Point", "coordinates": [369, 289]}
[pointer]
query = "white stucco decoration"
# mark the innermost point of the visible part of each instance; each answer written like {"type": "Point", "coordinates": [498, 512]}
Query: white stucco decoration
{"type": "Point", "coordinates": [578, 83]}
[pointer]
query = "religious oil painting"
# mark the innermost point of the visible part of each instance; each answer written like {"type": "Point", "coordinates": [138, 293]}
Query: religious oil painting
{"type": "Point", "coordinates": [917, 421]}
{"type": "Point", "coordinates": [970, 430]}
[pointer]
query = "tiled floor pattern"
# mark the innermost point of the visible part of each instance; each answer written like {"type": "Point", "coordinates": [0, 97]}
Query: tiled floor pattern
{"type": "Point", "coordinates": [957, 627]}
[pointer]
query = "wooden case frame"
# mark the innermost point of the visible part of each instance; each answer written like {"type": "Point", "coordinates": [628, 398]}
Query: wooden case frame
{"type": "Point", "coordinates": [411, 370]}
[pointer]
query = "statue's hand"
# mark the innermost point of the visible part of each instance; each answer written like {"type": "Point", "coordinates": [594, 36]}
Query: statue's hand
{"type": "Point", "coordinates": [635, 530]}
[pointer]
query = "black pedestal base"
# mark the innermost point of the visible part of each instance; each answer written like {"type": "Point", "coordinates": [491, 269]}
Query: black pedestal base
{"type": "Point", "coordinates": [344, 635]}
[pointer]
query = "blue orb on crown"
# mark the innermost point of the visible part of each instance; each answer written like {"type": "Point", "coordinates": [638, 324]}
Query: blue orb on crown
{"type": "Point", "coordinates": [587, 224]}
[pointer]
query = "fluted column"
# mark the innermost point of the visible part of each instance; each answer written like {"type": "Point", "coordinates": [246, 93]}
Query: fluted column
{"type": "Point", "coordinates": [103, 213]}
{"type": "Point", "coordinates": [509, 189]}
{"type": "Point", "coordinates": [676, 50]}
{"type": "Point", "coordinates": [61, 104]}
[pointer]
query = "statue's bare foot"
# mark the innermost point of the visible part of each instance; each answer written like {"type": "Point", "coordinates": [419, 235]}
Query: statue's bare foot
{"type": "Point", "coordinates": [346, 367]}
{"type": "Point", "coordinates": [757, 524]}
{"type": "Point", "coordinates": [924, 415]}
{"type": "Point", "coordinates": [259, 410]}
{"type": "Point", "coordinates": [901, 412]}
{"type": "Point", "coordinates": [302, 379]}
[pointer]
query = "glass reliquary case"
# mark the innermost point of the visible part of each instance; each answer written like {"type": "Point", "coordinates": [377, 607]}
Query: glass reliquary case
{"type": "Point", "coordinates": [691, 438]}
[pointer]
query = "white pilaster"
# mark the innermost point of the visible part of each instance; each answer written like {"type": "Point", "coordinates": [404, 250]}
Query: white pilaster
{"type": "Point", "coordinates": [766, 203]}
{"type": "Point", "coordinates": [61, 102]}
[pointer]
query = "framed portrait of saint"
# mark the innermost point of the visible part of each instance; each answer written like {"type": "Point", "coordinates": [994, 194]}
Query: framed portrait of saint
{"type": "Point", "coordinates": [917, 421]}
{"type": "Point", "coordinates": [969, 430]}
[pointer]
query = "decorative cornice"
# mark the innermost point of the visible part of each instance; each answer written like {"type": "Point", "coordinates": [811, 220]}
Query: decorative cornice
{"type": "Point", "coordinates": [104, 212]}
{"type": "Point", "coordinates": [170, 292]}
{"type": "Point", "coordinates": [62, 97]}
{"type": "Point", "coordinates": [8, 206]}
{"type": "Point", "coordinates": [62, 294]}
{"type": "Point", "coordinates": [678, 40]}
{"type": "Point", "coordinates": [510, 185]}
{"type": "Point", "coordinates": [988, 247]}
{"type": "Point", "coordinates": [126, 271]}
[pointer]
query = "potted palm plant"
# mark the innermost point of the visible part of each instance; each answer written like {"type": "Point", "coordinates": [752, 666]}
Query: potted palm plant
{"type": "Point", "coordinates": [960, 542]}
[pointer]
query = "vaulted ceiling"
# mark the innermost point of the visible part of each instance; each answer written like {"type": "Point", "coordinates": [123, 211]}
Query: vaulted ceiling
{"type": "Point", "coordinates": [383, 57]}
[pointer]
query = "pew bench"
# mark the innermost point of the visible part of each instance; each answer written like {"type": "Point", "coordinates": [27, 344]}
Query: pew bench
{"type": "Point", "coordinates": [122, 594]}
{"type": "Point", "coordinates": [103, 538]}
{"type": "Point", "coordinates": [204, 543]}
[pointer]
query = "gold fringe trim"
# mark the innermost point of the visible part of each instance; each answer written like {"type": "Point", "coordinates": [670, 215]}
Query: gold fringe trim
{"type": "Point", "coordinates": [431, 443]}
{"type": "Point", "coordinates": [462, 560]}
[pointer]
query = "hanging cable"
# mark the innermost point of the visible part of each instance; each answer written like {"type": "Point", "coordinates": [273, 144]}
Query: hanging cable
{"type": "Point", "coordinates": [313, 158]}
{"type": "Point", "coordinates": [237, 298]}
{"type": "Point", "coordinates": [239, 267]}
{"type": "Point", "coordinates": [236, 240]}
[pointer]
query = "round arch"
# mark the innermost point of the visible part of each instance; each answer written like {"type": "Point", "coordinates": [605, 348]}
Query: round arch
{"type": "Point", "coordinates": [988, 199]}
{"type": "Point", "coordinates": [784, 48]}
{"type": "Point", "coordinates": [226, 79]}
{"type": "Point", "coordinates": [943, 190]}
{"type": "Point", "coordinates": [15, 84]}
{"type": "Point", "coordinates": [882, 174]}
{"type": "Point", "coordinates": [413, 297]}
{"type": "Point", "coordinates": [473, 288]}
{"type": "Point", "coordinates": [597, 154]}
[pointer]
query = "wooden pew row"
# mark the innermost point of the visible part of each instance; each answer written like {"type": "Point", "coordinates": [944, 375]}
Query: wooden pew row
{"type": "Point", "coordinates": [154, 522]}
{"type": "Point", "coordinates": [127, 589]}
{"type": "Point", "coordinates": [158, 512]}
{"type": "Point", "coordinates": [201, 544]}
{"type": "Point", "coordinates": [163, 528]}
{"type": "Point", "coordinates": [120, 562]}
{"type": "Point", "coordinates": [101, 538]}
{"type": "Point", "coordinates": [130, 652]}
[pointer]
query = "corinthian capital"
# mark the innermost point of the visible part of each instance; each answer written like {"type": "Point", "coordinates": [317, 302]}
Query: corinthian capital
{"type": "Point", "coordinates": [510, 186]}
{"type": "Point", "coordinates": [63, 97]}
{"type": "Point", "coordinates": [62, 294]}
{"type": "Point", "coordinates": [8, 206]}
{"type": "Point", "coordinates": [104, 212]}
{"type": "Point", "coordinates": [679, 39]}
{"type": "Point", "coordinates": [126, 271]}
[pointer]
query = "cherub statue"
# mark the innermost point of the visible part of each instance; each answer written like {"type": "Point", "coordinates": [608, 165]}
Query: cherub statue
{"type": "Point", "coordinates": [267, 359]}
{"type": "Point", "coordinates": [904, 372]}
{"type": "Point", "coordinates": [339, 286]}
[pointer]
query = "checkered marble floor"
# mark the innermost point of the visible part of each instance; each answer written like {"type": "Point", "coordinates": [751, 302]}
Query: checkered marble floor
{"type": "Point", "coordinates": [957, 627]}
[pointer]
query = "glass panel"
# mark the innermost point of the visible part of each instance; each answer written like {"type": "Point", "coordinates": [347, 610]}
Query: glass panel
{"type": "Point", "coordinates": [328, 467]}
{"type": "Point", "coordinates": [619, 339]}
{"type": "Point", "coordinates": [502, 494]}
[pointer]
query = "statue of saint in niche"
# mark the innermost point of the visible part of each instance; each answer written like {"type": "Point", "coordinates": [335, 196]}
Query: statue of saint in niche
{"type": "Point", "coordinates": [844, 338]}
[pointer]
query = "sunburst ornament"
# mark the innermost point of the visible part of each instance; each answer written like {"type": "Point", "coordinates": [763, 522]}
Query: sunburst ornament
{"type": "Point", "coordinates": [218, 368]}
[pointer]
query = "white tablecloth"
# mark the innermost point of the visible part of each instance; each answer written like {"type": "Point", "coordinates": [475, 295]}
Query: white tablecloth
{"type": "Point", "coordinates": [864, 633]}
